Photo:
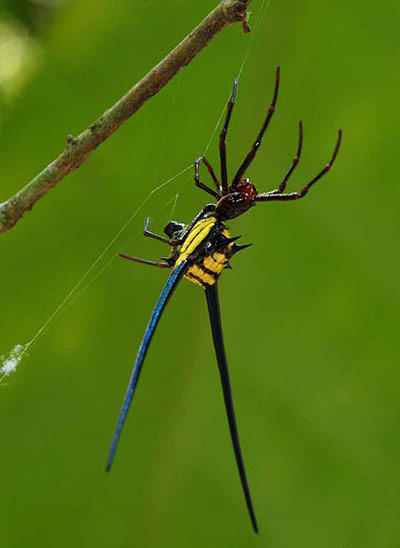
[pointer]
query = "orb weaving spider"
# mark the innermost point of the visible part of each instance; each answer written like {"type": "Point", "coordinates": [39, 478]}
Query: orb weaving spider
{"type": "Point", "coordinates": [200, 252]}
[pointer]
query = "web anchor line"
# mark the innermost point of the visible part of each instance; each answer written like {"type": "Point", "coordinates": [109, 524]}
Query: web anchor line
{"type": "Point", "coordinates": [10, 362]}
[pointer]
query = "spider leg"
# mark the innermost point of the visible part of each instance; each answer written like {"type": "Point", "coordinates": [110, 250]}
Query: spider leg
{"type": "Point", "coordinates": [144, 261]}
{"type": "Point", "coordinates": [250, 156]}
{"type": "Point", "coordinates": [222, 137]}
{"type": "Point", "coordinates": [146, 232]}
{"type": "Point", "coordinates": [273, 196]}
{"type": "Point", "coordinates": [295, 161]}
{"type": "Point", "coordinates": [211, 172]}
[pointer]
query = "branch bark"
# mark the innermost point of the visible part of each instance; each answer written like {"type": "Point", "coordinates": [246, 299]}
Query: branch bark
{"type": "Point", "coordinates": [78, 149]}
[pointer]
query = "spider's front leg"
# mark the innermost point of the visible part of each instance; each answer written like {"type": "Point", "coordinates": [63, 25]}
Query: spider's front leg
{"type": "Point", "coordinates": [275, 195]}
{"type": "Point", "coordinates": [201, 185]}
{"type": "Point", "coordinates": [256, 145]}
{"type": "Point", "coordinates": [222, 139]}
{"type": "Point", "coordinates": [295, 161]}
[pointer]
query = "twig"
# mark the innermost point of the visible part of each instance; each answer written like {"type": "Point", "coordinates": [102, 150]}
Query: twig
{"type": "Point", "coordinates": [78, 148]}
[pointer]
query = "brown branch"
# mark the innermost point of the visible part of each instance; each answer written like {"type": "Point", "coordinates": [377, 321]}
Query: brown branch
{"type": "Point", "coordinates": [78, 149]}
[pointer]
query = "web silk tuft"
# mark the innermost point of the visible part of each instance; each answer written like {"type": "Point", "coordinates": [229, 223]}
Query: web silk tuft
{"type": "Point", "coordinates": [11, 361]}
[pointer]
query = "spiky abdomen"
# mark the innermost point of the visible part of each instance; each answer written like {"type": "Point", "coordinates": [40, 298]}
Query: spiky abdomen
{"type": "Point", "coordinates": [209, 270]}
{"type": "Point", "coordinates": [208, 248]}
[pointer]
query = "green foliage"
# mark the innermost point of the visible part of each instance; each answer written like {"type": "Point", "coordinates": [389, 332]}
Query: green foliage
{"type": "Point", "coordinates": [310, 311]}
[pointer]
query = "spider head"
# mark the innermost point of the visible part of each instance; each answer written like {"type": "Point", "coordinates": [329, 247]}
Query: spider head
{"type": "Point", "coordinates": [241, 197]}
{"type": "Point", "coordinates": [246, 188]}
{"type": "Point", "coordinates": [173, 230]}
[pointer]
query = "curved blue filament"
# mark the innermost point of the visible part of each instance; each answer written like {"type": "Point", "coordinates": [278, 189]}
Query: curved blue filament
{"type": "Point", "coordinates": [171, 284]}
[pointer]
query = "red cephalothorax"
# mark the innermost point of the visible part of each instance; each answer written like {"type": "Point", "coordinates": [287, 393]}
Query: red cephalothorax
{"type": "Point", "coordinates": [235, 203]}
{"type": "Point", "coordinates": [247, 188]}
{"type": "Point", "coordinates": [241, 197]}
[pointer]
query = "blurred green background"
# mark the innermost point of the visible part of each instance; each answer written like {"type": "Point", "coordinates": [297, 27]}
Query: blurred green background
{"type": "Point", "coordinates": [310, 311]}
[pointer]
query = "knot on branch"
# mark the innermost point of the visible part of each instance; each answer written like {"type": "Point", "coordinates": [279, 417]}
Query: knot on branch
{"type": "Point", "coordinates": [236, 11]}
{"type": "Point", "coordinates": [71, 140]}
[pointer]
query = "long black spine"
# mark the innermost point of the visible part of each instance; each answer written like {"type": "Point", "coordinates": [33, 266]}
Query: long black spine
{"type": "Point", "coordinates": [215, 320]}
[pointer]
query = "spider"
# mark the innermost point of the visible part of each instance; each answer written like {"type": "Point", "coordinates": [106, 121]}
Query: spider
{"type": "Point", "coordinates": [200, 252]}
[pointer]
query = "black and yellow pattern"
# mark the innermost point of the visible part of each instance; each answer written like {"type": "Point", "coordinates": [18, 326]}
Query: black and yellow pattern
{"type": "Point", "coordinates": [207, 247]}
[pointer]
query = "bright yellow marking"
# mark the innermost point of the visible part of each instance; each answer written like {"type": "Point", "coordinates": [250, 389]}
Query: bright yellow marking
{"type": "Point", "coordinates": [215, 262]}
{"type": "Point", "coordinates": [197, 271]}
{"type": "Point", "coordinates": [196, 236]}
{"type": "Point", "coordinates": [193, 280]}
{"type": "Point", "coordinates": [220, 257]}
{"type": "Point", "coordinates": [213, 265]}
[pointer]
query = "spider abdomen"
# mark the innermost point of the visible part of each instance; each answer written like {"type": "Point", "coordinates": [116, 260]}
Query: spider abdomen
{"type": "Point", "coordinates": [208, 247]}
{"type": "Point", "coordinates": [207, 271]}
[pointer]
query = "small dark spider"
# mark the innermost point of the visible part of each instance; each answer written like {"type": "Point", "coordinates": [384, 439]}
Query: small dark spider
{"type": "Point", "coordinates": [201, 251]}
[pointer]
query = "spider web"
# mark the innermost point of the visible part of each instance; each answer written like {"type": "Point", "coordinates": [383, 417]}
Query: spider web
{"type": "Point", "coordinates": [10, 361]}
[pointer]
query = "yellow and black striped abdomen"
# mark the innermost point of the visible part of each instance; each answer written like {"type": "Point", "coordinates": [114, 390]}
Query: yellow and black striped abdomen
{"type": "Point", "coordinates": [208, 270]}
{"type": "Point", "coordinates": [208, 248]}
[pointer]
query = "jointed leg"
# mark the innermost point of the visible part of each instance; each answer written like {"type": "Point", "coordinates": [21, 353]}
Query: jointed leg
{"type": "Point", "coordinates": [206, 209]}
{"type": "Point", "coordinates": [250, 156]}
{"type": "Point", "coordinates": [144, 261]}
{"type": "Point", "coordinates": [146, 232]}
{"type": "Point", "coordinates": [222, 137]}
{"type": "Point", "coordinates": [211, 172]}
{"type": "Point", "coordinates": [273, 196]}
{"type": "Point", "coordinates": [295, 161]}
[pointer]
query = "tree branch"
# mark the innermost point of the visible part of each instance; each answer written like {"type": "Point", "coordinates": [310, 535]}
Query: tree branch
{"type": "Point", "coordinates": [78, 149]}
